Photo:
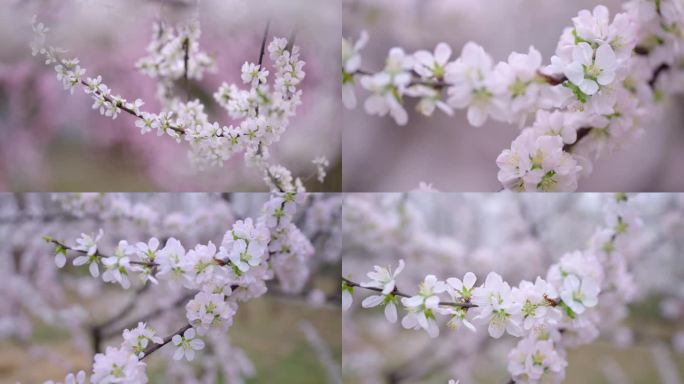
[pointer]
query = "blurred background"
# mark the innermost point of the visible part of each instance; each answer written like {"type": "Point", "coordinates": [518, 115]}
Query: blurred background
{"type": "Point", "coordinates": [447, 151]}
{"type": "Point", "coordinates": [48, 315]}
{"type": "Point", "coordinates": [52, 141]}
{"type": "Point", "coordinates": [519, 237]}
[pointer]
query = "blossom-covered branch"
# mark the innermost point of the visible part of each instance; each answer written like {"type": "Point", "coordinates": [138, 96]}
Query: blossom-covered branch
{"type": "Point", "coordinates": [600, 90]}
{"type": "Point", "coordinates": [261, 112]}
{"type": "Point", "coordinates": [550, 314]}
{"type": "Point", "coordinates": [351, 284]}
{"type": "Point", "coordinates": [252, 252]}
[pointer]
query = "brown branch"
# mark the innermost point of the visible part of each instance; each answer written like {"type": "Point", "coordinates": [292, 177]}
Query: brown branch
{"type": "Point", "coordinates": [659, 71]}
{"type": "Point", "coordinates": [98, 254]}
{"type": "Point", "coordinates": [262, 51]}
{"type": "Point", "coordinates": [150, 315]}
{"type": "Point", "coordinates": [97, 329]}
{"type": "Point", "coordinates": [124, 108]}
{"type": "Point", "coordinates": [166, 340]}
{"type": "Point", "coordinates": [396, 292]}
{"type": "Point", "coordinates": [552, 79]}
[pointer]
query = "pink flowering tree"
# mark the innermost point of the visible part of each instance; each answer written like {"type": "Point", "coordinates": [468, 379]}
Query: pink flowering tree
{"type": "Point", "coordinates": [436, 284]}
{"type": "Point", "coordinates": [168, 276]}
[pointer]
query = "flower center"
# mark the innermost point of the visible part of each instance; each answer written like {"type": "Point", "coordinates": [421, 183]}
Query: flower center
{"type": "Point", "coordinates": [592, 71]}
{"type": "Point", "coordinates": [548, 181]}
{"type": "Point", "coordinates": [518, 88]}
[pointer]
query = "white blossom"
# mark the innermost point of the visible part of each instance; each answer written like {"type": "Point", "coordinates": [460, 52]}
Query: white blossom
{"type": "Point", "coordinates": [423, 307]}
{"type": "Point", "coordinates": [385, 280]}
{"type": "Point", "coordinates": [496, 306]}
{"type": "Point", "coordinates": [118, 365]}
{"type": "Point", "coordinates": [118, 265]}
{"type": "Point", "coordinates": [186, 345]}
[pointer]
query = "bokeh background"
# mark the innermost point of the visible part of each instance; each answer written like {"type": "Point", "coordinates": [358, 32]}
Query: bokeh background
{"type": "Point", "coordinates": [519, 237]}
{"type": "Point", "coordinates": [47, 314]}
{"type": "Point", "coordinates": [446, 151]}
{"type": "Point", "coordinates": [51, 141]}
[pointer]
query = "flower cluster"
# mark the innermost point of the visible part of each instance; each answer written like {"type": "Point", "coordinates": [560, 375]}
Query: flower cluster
{"type": "Point", "coordinates": [289, 248]}
{"type": "Point", "coordinates": [594, 96]}
{"type": "Point", "coordinates": [549, 314]}
{"type": "Point", "coordinates": [251, 253]}
{"type": "Point", "coordinates": [174, 53]}
{"type": "Point", "coordinates": [261, 111]}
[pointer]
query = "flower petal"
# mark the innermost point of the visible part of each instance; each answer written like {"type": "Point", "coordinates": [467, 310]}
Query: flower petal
{"type": "Point", "coordinates": [372, 301]}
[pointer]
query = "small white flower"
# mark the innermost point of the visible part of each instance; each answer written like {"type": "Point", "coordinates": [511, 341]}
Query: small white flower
{"type": "Point", "coordinates": [461, 289]}
{"type": "Point", "coordinates": [169, 259]}
{"type": "Point", "coordinates": [88, 243]}
{"type": "Point", "coordinates": [253, 74]}
{"type": "Point", "coordinates": [92, 261]}
{"type": "Point", "coordinates": [187, 345]}
{"type": "Point", "coordinates": [535, 303]}
{"type": "Point", "coordinates": [138, 339]}
{"type": "Point", "coordinates": [351, 63]}
{"type": "Point", "coordinates": [384, 279]}
{"type": "Point", "coordinates": [118, 365]}
{"type": "Point", "coordinates": [147, 122]}
{"type": "Point", "coordinates": [537, 163]}
{"type": "Point", "coordinates": [147, 251]}
{"type": "Point", "coordinates": [118, 265]}
{"type": "Point", "coordinates": [246, 245]}
{"type": "Point", "coordinates": [470, 80]}
{"type": "Point", "coordinates": [579, 294]}
{"type": "Point", "coordinates": [199, 264]}
{"type": "Point", "coordinates": [388, 87]}
{"type": "Point", "coordinates": [592, 26]}
{"type": "Point", "coordinates": [589, 72]}
{"type": "Point", "coordinates": [428, 65]}
{"type": "Point", "coordinates": [458, 318]}
{"type": "Point", "coordinates": [536, 361]}
{"type": "Point", "coordinates": [209, 310]}
{"type": "Point", "coordinates": [422, 308]}
{"type": "Point", "coordinates": [496, 307]}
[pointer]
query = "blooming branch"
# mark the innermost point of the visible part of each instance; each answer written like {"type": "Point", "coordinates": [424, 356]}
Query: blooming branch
{"type": "Point", "coordinates": [551, 313]}
{"type": "Point", "coordinates": [252, 252]}
{"type": "Point", "coordinates": [596, 94]}
{"type": "Point", "coordinates": [262, 111]}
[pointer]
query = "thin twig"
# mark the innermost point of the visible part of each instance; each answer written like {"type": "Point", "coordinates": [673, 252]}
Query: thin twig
{"type": "Point", "coordinates": [262, 51]}
{"type": "Point", "coordinates": [98, 254]}
{"type": "Point", "coordinates": [150, 315]}
{"type": "Point", "coordinates": [396, 292]}
{"type": "Point", "coordinates": [166, 340]}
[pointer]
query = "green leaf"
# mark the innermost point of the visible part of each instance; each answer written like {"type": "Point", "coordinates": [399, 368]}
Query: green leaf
{"type": "Point", "coordinates": [568, 311]}
{"type": "Point", "coordinates": [581, 96]}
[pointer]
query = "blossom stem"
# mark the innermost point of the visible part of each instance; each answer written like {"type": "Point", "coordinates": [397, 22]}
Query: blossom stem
{"type": "Point", "coordinates": [166, 340]}
{"type": "Point", "coordinates": [97, 254]}
{"type": "Point", "coordinates": [396, 292]}
{"type": "Point", "coordinates": [262, 51]}
{"type": "Point", "coordinates": [126, 109]}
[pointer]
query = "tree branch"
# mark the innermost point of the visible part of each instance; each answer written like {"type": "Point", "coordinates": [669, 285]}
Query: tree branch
{"type": "Point", "coordinates": [396, 292]}
{"type": "Point", "coordinates": [98, 254]}
{"type": "Point", "coordinates": [166, 340]}
{"type": "Point", "coordinates": [262, 51]}
{"type": "Point", "coordinates": [150, 315]}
